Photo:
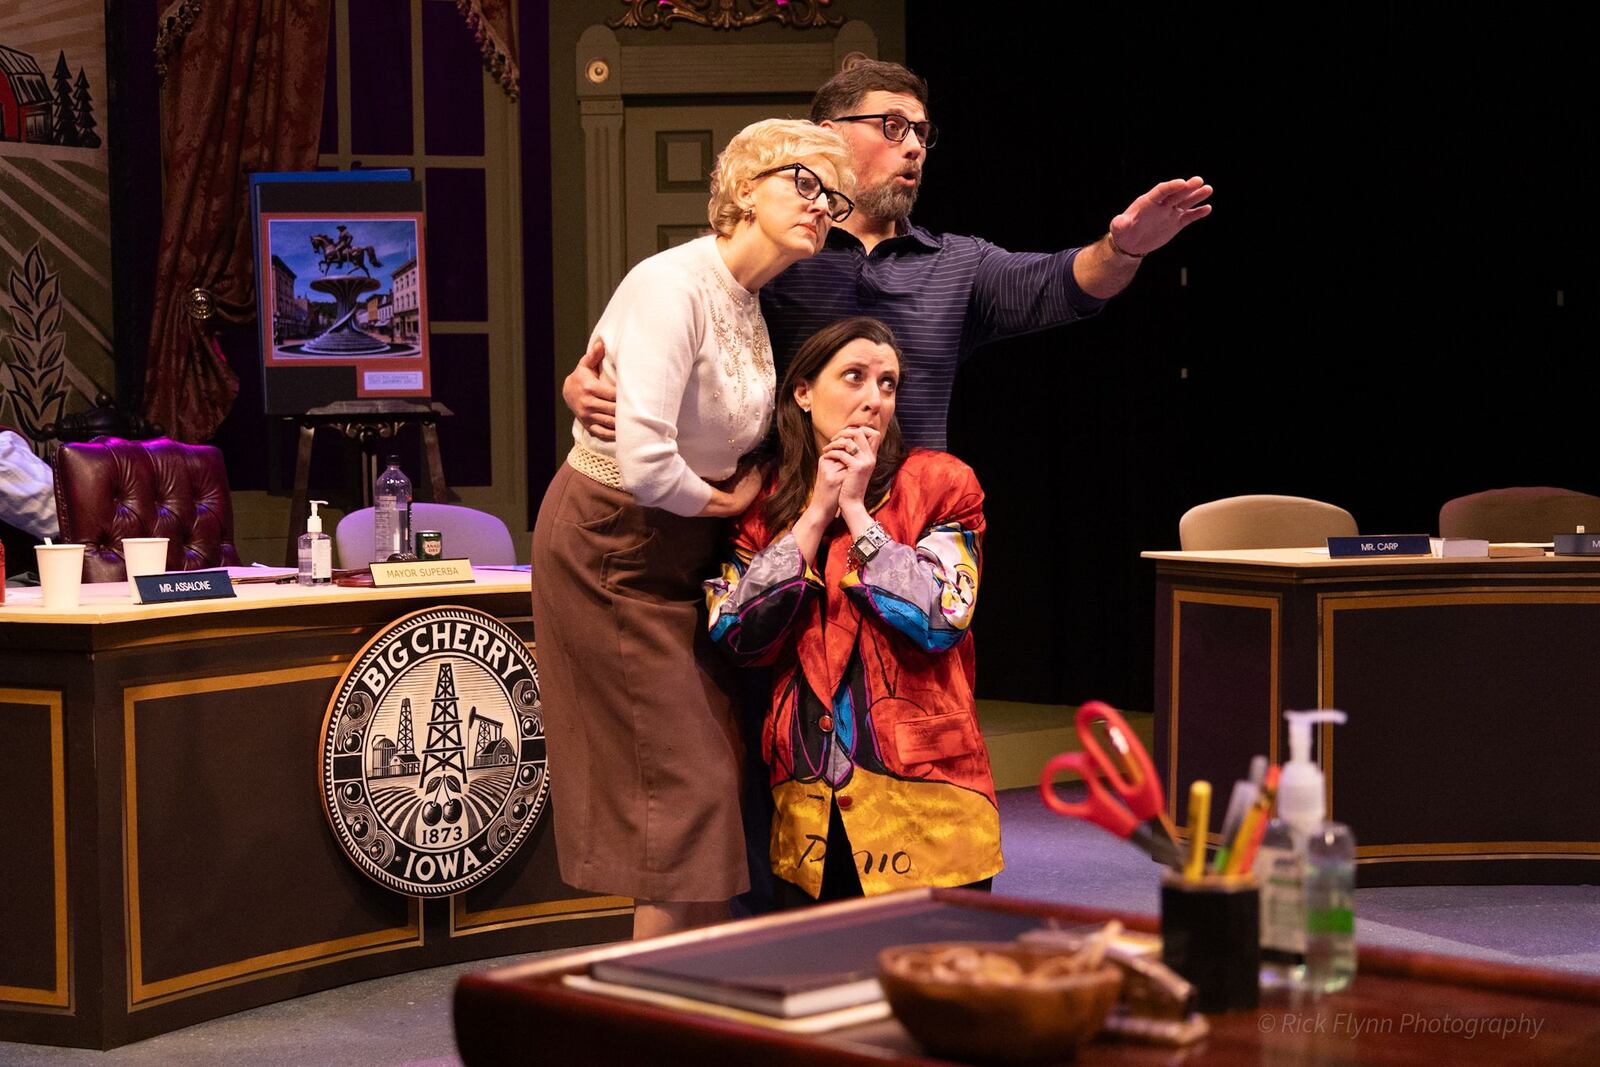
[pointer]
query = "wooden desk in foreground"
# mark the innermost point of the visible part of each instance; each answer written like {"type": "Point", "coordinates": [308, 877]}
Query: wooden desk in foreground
{"type": "Point", "coordinates": [1403, 1008]}
{"type": "Point", "coordinates": [1473, 689]}
{"type": "Point", "coordinates": [167, 856]}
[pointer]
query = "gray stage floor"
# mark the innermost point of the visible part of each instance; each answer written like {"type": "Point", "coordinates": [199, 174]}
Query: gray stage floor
{"type": "Point", "coordinates": [405, 1021]}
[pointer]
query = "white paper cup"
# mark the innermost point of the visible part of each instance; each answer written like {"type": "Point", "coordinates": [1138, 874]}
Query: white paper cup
{"type": "Point", "coordinates": [60, 575]}
{"type": "Point", "coordinates": [143, 555]}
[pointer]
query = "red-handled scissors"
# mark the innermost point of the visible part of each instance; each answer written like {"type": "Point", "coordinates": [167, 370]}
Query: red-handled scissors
{"type": "Point", "coordinates": [1138, 812]}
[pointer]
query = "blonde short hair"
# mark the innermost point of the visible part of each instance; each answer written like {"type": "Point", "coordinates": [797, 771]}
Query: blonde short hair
{"type": "Point", "coordinates": [761, 146]}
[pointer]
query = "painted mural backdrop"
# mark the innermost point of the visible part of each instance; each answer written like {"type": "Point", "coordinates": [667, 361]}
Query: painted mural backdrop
{"type": "Point", "coordinates": [55, 214]}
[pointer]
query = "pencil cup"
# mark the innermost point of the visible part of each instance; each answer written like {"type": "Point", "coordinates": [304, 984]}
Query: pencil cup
{"type": "Point", "coordinates": [1211, 934]}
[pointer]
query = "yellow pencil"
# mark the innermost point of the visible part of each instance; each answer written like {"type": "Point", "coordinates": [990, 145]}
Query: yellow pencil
{"type": "Point", "coordinates": [1199, 824]}
{"type": "Point", "coordinates": [1247, 830]}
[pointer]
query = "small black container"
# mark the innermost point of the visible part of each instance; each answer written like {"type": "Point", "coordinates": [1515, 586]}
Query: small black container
{"type": "Point", "coordinates": [1211, 934]}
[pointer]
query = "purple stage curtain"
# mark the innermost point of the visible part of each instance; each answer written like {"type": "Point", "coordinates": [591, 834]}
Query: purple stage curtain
{"type": "Point", "coordinates": [490, 21]}
{"type": "Point", "coordinates": [242, 93]}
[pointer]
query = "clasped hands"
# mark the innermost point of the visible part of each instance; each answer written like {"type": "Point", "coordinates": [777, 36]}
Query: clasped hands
{"type": "Point", "coordinates": [843, 471]}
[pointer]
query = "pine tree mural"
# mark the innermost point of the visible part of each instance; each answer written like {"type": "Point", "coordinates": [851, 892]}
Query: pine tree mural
{"type": "Point", "coordinates": [66, 115]}
{"type": "Point", "coordinates": [85, 109]}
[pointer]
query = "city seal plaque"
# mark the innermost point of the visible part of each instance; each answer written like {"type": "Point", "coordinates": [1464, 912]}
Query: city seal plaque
{"type": "Point", "coordinates": [433, 752]}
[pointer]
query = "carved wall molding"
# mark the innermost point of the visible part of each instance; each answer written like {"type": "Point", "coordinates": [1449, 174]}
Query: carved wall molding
{"type": "Point", "coordinates": [724, 14]}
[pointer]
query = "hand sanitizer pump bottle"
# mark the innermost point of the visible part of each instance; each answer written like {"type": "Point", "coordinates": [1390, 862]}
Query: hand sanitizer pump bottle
{"type": "Point", "coordinates": [315, 551]}
{"type": "Point", "coordinates": [1329, 857]}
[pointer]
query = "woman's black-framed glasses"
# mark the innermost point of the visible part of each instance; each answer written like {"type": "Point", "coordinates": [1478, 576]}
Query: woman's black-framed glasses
{"type": "Point", "coordinates": [809, 186]}
{"type": "Point", "coordinates": [895, 127]}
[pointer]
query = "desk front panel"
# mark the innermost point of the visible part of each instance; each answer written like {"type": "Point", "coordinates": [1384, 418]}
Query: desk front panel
{"type": "Point", "coordinates": [179, 865]}
{"type": "Point", "coordinates": [1473, 731]}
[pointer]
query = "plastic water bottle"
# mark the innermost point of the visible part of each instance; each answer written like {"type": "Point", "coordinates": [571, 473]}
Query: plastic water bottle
{"type": "Point", "coordinates": [1330, 908]}
{"type": "Point", "coordinates": [391, 513]}
{"type": "Point", "coordinates": [1281, 864]}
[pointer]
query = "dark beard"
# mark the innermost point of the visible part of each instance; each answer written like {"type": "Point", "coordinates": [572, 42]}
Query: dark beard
{"type": "Point", "coordinates": [888, 201]}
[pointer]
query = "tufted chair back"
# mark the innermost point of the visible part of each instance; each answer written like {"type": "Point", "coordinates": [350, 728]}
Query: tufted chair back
{"type": "Point", "coordinates": [110, 488]}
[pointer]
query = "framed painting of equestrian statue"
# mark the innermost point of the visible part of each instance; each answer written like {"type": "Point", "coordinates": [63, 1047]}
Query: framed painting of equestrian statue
{"type": "Point", "coordinates": [341, 283]}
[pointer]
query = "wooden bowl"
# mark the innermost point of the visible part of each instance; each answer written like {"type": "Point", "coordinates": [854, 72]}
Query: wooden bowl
{"type": "Point", "coordinates": [996, 1018]}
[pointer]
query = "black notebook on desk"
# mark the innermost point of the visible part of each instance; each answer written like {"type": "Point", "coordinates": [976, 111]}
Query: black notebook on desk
{"type": "Point", "coordinates": [796, 969]}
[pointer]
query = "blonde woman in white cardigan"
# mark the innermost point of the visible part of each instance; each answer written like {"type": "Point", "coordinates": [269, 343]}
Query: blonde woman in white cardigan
{"type": "Point", "coordinates": [643, 748]}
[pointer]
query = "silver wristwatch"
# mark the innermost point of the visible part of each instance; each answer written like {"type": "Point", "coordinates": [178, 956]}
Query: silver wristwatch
{"type": "Point", "coordinates": [866, 546]}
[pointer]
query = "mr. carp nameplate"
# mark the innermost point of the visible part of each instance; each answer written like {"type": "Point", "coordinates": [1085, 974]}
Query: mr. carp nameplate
{"type": "Point", "coordinates": [433, 752]}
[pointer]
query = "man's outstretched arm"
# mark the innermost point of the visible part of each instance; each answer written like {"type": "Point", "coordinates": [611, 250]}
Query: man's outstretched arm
{"type": "Point", "coordinates": [1104, 268]}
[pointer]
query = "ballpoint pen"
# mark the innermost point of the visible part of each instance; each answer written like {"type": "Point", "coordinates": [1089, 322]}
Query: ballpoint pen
{"type": "Point", "coordinates": [1244, 794]}
{"type": "Point", "coordinates": [1255, 824]}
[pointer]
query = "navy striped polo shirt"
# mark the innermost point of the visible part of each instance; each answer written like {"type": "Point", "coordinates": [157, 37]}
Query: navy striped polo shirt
{"type": "Point", "coordinates": [943, 295]}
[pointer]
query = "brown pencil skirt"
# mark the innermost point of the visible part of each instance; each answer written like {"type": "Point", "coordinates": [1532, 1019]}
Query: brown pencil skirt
{"type": "Point", "coordinates": [644, 754]}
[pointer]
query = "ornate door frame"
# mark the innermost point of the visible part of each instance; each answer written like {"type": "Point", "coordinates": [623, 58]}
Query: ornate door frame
{"type": "Point", "coordinates": [609, 71]}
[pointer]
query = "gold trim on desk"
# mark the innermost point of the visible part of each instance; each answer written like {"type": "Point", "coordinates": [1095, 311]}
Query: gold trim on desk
{"type": "Point", "coordinates": [59, 995]}
{"type": "Point", "coordinates": [1273, 605]}
{"type": "Point", "coordinates": [107, 602]}
{"type": "Point", "coordinates": [143, 994]}
{"type": "Point", "coordinates": [227, 633]}
{"type": "Point", "coordinates": [1330, 603]}
{"type": "Point", "coordinates": [1483, 850]}
{"type": "Point", "coordinates": [1447, 597]}
{"type": "Point", "coordinates": [464, 922]}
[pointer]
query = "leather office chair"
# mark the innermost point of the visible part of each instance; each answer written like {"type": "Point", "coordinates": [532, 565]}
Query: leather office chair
{"type": "Point", "coordinates": [1262, 521]}
{"type": "Point", "coordinates": [113, 488]}
{"type": "Point", "coordinates": [467, 532]}
{"type": "Point", "coordinates": [1523, 513]}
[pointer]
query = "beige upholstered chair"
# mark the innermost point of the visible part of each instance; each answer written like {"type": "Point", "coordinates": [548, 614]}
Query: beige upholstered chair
{"type": "Point", "coordinates": [1523, 513]}
{"type": "Point", "coordinates": [1262, 522]}
{"type": "Point", "coordinates": [468, 534]}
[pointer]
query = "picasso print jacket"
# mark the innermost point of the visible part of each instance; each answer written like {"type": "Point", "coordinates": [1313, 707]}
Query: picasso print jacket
{"type": "Point", "coordinates": [872, 704]}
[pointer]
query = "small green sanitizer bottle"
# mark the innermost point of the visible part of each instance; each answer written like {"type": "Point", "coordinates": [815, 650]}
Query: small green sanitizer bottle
{"type": "Point", "coordinates": [1328, 858]}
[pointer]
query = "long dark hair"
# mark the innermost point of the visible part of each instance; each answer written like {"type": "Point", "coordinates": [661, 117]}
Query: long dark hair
{"type": "Point", "coordinates": [797, 444]}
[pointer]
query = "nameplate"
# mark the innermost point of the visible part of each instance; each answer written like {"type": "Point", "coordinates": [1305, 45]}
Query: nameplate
{"type": "Point", "coordinates": [183, 585]}
{"type": "Point", "coordinates": [422, 572]}
{"type": "Point", "coordinates": [1577, 544]}
{"type": "Point", "coordinates": [1380, 545]}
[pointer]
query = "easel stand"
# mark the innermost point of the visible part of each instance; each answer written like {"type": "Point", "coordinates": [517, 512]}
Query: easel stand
{"type": "Point", "coordinates": [369, 423]}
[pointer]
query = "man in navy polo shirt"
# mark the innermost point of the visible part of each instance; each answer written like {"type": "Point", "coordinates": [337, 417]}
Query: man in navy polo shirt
{"type": "Point", "coordinates": [943, 295]}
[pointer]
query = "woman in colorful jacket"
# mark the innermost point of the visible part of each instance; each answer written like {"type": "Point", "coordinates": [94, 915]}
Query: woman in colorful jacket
{"type": "Point", "coordinates": [855, 574]}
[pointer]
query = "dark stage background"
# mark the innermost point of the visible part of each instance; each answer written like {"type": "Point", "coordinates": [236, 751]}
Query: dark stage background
{"type": "Point", "coordinates": [1371, 316]}
{"type": "Point", "coordinates": [1392, 304]}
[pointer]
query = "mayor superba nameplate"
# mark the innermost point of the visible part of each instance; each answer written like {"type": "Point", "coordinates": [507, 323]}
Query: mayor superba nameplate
{"type": "Point", "coordinates": [422, 572]}
{"type": "Point", "coordinates": [433, 752]}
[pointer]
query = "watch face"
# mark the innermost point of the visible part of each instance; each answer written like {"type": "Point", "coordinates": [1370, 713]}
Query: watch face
{"type": "Point", "coordinates": [866, 546]}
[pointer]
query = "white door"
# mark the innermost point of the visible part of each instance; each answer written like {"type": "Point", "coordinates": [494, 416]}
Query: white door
{"type": "Point", "coordinates": [668, 153]}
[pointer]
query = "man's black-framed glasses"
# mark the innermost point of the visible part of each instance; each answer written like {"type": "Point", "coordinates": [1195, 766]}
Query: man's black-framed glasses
{"type": "Point", "coordinates": [809, 186]}
{"type": "Point", "coordinates": [895, 127]}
